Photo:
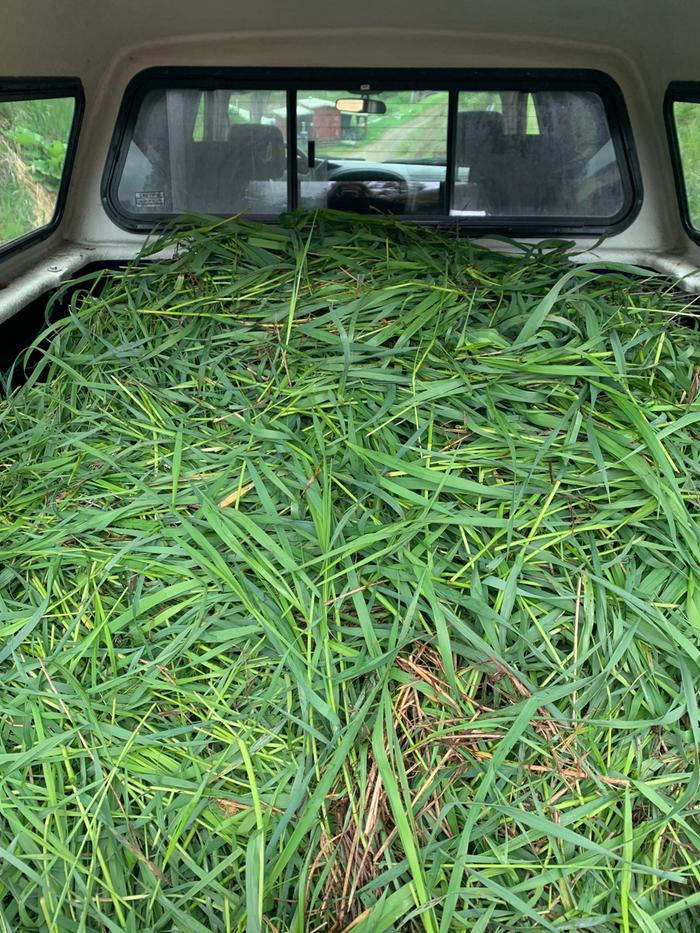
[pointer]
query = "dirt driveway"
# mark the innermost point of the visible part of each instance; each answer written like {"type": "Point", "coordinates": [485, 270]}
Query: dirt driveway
{"type": "Point", "coordinates": [423, 137]}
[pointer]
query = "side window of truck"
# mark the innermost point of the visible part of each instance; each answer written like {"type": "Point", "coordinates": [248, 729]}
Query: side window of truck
{"type": "Point", "coordinates": [683, 120]}
{"type": "Point", "coordinates": [37, 135]}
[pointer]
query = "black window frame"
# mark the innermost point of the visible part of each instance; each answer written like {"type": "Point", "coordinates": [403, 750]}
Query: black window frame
{"type": "Point", "coordinates": [452, 80]}
{"type": "Point", "coordinates": [46, 88]}
{"type": "Point", "coordinates": [682, 92]}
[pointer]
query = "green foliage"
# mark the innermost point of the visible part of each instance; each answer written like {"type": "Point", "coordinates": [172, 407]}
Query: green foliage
{"type": "Point", "coordinates": [51, 118]}
{"type": "Point", "coordinates": [18, 209]}
{"type": "Point", "coordinates": [350, 581]}
{"type": "Point", "coordinates": [33, 143]}
{"type": "Point", "coordinates": [44, 158]}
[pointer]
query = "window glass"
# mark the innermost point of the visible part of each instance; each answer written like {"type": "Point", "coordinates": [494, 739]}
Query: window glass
{"type": "Point", "coordinates": [34, 136]}
{"type": "Point", "coordinates": [687, 119]}
{"type": "Point", "coordinates": [536, 157]}
{"type": "Point", "coordinates": [389, 161]}
{"type": "Point", "coordinates": [481, 100]}
{"type": "Point", "coordinates": [221, 151]}
{"type": "Point", "coordinates": [532, 126]}
{"type": "Point", "coordinates": [544, 153]}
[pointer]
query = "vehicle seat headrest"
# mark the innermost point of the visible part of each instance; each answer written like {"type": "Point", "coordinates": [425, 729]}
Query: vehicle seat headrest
{"type": "Point", "coordinates": [260, 148]}
{"type": "Point", "coordinates": [479, 133]}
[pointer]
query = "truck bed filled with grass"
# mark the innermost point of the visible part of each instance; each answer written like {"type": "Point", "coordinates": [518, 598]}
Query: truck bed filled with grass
{"type": "Point", "coordinates": [350, 580]}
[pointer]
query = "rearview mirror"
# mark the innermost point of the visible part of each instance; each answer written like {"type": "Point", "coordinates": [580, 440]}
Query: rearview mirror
{"type": "Point", "coordinates": [360, 105]}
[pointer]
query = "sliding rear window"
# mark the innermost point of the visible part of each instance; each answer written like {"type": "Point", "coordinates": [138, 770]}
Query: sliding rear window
{"type": "Point", "coordinates": [39, 121]}
{"type": "Point", "coordinates": [547, 151]}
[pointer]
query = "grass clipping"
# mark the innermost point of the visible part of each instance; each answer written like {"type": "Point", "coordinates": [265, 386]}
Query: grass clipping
{"type": "Point", "coordinates": [350, 582]}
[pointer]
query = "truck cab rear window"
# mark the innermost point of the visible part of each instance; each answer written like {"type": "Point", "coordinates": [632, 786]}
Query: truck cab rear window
{"type": "Point", "coordinates": [491, 150]}
{"type": "Point", "coordinates": [38, 125]}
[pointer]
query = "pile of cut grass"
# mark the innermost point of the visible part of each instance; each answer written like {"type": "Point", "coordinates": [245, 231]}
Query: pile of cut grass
{"type": "Point", "coordinates": [350, 581]}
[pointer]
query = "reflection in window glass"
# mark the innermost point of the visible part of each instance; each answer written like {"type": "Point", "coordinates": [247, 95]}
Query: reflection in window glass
{"type": "Point", "coordinates": [34, 137]}
{"type": "Point", "coordinates": [545, 153]}
{"type": "Point", "coordinates": [392, 161]}
{"type": "Point", "coordinates": [221, 151]}
{"type": "Point", "coordinates": [687, 118]}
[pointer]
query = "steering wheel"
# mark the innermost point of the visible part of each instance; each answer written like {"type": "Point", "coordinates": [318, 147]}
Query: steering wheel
{"type": "Point", "coordinates": [368, 191]}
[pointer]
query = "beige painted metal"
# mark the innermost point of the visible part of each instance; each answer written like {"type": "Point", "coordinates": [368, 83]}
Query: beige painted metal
{"type": "Point", "coordinates": [642, 44]}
